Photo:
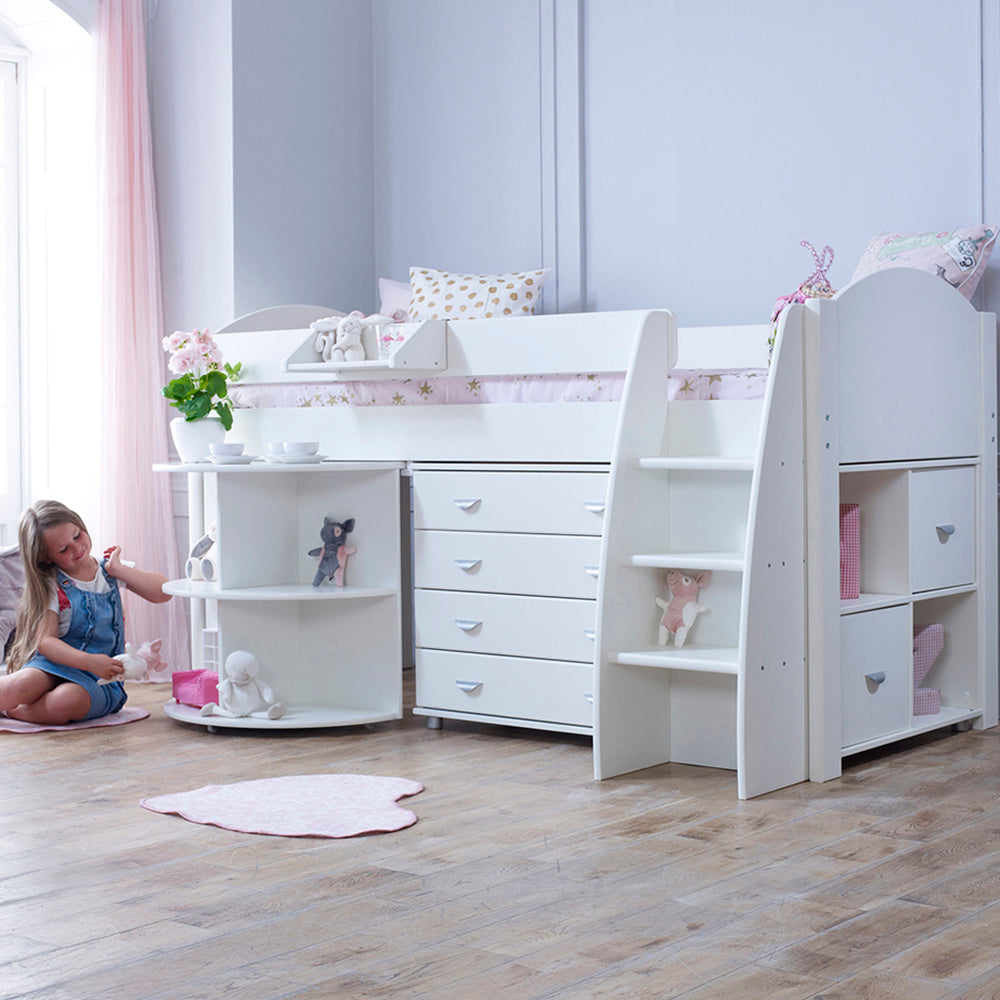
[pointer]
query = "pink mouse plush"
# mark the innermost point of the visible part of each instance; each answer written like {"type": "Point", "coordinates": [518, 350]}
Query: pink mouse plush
{"type": "Point", "coordinates": [679, 614]}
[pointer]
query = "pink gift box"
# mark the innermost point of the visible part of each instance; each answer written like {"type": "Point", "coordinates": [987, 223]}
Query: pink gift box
{"type": "Point", "coordinates": [196, 687]}
{"type": "Point", "coordinates": [850, 551]}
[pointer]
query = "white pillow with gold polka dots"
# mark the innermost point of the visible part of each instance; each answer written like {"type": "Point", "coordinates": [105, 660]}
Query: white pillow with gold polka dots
{"type": "Point", "coordinates": [441, 295]}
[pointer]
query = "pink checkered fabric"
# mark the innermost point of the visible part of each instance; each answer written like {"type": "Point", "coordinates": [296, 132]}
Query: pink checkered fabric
{"type": "Point", "coordinates": [850, 551]}
{"type": "Point", "coordinates": [928, 641]}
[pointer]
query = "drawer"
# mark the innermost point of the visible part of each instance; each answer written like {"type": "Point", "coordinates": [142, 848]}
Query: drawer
{"type": "Point", "coordinates": [546, 565]}
{"type": "Point", "coordinates": [512, 687]}
{"type": "Point", "coordinates": [554, 628]}
{"type": "Point", "coordinates": [942, 528]}
{"type": "Point", "coordinates": [558, 503]}
{"type": "Point", "coordinates": [875, 645]}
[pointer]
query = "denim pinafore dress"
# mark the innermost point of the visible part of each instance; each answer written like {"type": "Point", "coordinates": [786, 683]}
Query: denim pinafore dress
{"type": "Point", "coordinates": [97, 625]}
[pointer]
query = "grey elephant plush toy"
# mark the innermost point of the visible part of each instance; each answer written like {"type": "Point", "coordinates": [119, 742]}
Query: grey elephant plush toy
{"type": "Point", "coordinates": [334, 551]}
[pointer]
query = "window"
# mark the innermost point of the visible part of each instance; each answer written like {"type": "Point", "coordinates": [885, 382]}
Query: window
{"type": "Point", "coordinates": [10, 298]}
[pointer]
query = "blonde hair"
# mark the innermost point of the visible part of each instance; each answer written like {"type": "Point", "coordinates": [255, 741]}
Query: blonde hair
{"type": "Point", "coordinates": [39, 574]}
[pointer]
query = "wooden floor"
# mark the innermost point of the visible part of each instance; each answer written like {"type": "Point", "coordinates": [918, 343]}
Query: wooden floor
{"type": "Point", "coordinates": [523, 878]}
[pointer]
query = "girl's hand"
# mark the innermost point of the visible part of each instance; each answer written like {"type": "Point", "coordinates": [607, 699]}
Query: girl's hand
{"type": "Point", "coordinates": [106, 667]}
{"type": "Point", "coordinates": [113, 556]}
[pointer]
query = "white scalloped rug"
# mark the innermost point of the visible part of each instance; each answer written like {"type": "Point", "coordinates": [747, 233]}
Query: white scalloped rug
{"type": "Point", "coordinates": [303, 805]}
{"type": "Point", "coordinates": [127, 714]}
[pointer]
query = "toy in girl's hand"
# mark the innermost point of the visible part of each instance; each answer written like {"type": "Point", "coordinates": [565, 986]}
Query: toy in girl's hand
{"type": "Point", "coordinates": [199, 566]}
{"type": "Point", "coordinates": [140, 663]}
{"type": "Point", "coordinates": [241, 694]}
{"type": "Point", "coordinates": [682, 609]}
{"type": "Point", "coordinates": [334, 551]}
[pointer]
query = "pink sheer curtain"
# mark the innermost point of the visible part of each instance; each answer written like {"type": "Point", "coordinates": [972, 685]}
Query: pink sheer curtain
{"type": "Point", "coordinates": [136, 502]}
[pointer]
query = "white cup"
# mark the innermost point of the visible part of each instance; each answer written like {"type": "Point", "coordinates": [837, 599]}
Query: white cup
{"type": "Point", "coordinates": [226, 448]}
{"type": "Point", "coordinates": [275, 448]}
{"type": "Point", "coordinates": [301, 447]}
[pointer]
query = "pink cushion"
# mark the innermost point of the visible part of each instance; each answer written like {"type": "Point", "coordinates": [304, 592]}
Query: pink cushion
{"type": "Point", "coordinates": [196, 687]}
{"type": "Point", "coordinates": [928, 641]}
{"type": "Point", "coordinates": [958, 255]}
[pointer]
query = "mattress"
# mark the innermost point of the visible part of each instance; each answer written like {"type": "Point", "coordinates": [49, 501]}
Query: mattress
{"type": "Point", "coordinates": [594, 387]}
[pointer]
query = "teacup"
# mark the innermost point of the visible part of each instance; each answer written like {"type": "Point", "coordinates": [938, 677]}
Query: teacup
{"type": "Point", "coordinates": [301, 447]}
{"type": "Point", "coordinates": [275, 448]}
{"type": "Point", "coordinates": [226, 448]}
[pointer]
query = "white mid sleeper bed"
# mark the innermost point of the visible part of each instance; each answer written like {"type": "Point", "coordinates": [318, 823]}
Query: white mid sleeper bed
{"type": "Point", "coordinates": [542, 530]}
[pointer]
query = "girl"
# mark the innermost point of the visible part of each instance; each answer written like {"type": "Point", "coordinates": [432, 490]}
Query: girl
{"type": "Point", "coordinates": [69, 622]}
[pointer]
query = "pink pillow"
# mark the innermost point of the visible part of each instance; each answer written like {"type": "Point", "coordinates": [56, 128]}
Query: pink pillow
{"type": "Point", "coordinates": [395, 299]}
{"type": "Point", "coordinates": [958, 255]}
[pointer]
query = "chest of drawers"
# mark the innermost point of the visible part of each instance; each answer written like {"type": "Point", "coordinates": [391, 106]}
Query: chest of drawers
{"type": "Point", "coordinates": [505, 575]}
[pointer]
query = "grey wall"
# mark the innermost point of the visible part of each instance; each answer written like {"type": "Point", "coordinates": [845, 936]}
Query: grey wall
{"type": "Point", "coordinates": [654, 152]}
{"type": "Point", "coordinates": [302, 152]}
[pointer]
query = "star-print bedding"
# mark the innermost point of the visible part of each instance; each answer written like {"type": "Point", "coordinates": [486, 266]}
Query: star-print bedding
{"type": "Point", "coordinates": [594, 387]}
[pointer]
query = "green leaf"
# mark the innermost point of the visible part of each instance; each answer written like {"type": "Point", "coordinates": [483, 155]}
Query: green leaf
{"type": "Point", "coordinates": [215, 383]}
{"type": "Point", "coordinates": [225, 412]}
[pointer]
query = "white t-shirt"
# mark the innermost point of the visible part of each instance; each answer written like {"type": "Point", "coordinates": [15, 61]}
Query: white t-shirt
{"type": "Point", "coordinates": [99, 585]}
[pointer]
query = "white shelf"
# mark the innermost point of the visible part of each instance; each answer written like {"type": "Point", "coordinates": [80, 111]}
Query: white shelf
{"type": "Point", "coordinates": [701, 659]}
{"type": "Point", "coordinates": [273, 592]}
{"type": "Point", "coordinates": [717, 561]}
{"type": "Point", "coordinates": [920, 724]}
{"type": "Point", "coordinates": [296, 717]}
{"type": "Point", "coordinates": [698, 463]}
{"type": "Point", "coordinates": [869, 602]}
{"type": "Point", "coordinates": [286, 468]}
{"type": "Point", "coordinates": [424, 349]}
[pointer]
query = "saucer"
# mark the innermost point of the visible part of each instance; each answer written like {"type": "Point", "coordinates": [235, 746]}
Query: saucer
{"type": "Point", "coordinates": [231, 459]}
{"type": "Point", "coordinates": [298, 459]}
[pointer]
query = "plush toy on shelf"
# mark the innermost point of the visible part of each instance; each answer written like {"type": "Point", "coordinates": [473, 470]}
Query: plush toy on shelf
{"type": "Point", "coordinates": [680, 612]}
{"type": "Point", "coordinates": [199, 565]}
{"type": "Point", "coordinates": [340, 338]}
{"type": "Point", "coordinates": [241, 694]}
{"type": "Point", "coordinates": [334, 551]}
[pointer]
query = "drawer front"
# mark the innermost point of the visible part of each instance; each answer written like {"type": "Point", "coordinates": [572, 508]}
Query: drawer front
{"type": "Point", "coordinates": [942, 528]}
{"type": "Point", "coordinates": [875, 653]}
{"type": "Point", "coordinates": [558, 503]}
{"type": "Point", "coordinates": [515, 687]}
{"type": "Point", "coordinates": [545, 565]}
{"type": "Point", "coordinates": [545, 627]}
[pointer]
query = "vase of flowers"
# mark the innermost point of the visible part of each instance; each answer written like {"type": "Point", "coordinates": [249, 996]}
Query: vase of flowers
{"type": "Point", "coordinates": [200, 391]}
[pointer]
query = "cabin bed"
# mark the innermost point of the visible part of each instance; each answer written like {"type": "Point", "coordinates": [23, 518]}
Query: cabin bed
{"type": "Point", "coordinates": [543, 525]}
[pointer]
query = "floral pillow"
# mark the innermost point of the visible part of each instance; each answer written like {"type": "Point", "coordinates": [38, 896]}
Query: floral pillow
{"type": "Point", "coordinates": [958, 255]}
{"type": "Point", "coordinates": [442, 295]}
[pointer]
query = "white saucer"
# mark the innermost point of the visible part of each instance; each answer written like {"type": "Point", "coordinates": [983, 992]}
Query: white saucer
{"type": "Point", "coordinates": [231, 459]}
{"type": "Point", "coordinates": [298, 459]}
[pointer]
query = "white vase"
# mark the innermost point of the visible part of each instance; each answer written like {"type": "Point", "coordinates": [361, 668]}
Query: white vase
{"type": "Point", "coordinates": [192, 437]}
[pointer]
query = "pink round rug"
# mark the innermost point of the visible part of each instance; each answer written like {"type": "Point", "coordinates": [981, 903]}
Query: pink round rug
{"type": "Point", "coordinates": [304, 805]}
{"type": "Point", "coordinates": [126, 715]}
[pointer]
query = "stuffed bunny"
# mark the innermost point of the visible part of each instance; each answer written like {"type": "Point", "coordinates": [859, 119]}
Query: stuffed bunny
{"type": "Point", "coordinates": [679, 614]}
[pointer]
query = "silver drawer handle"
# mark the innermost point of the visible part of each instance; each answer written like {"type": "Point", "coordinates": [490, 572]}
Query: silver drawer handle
{"type": "Point", "coordinates": [590, 633]}
{"type": "Point", "coordinates": [467, 624]}
{"type": "Point", "coordinates": [467, 504]}
{"type": "Point", "coordinates": [468, 686]}
{"type": "Point", "coordinates": [874, 680]}
{"type": "Point", "coordinates": [467, 564]}
{"type": "Point", "coordinates": [590, 699]}
{"type": "Point", "coordinates": [595, 507]}
{"type": "Point", "coordinates": [945, 531]}
{"type": "Point", "coordinates": [592, 571]}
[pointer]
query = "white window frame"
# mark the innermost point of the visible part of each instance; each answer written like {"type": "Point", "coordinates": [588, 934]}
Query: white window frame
{"type": "Point", "coordinates": [11, 277]}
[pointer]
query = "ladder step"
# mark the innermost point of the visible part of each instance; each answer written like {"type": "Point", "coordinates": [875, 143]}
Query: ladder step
{"type": "Point", "coordinates": [700, 659]}
{"type": "Point", "coordinates": [699, 463]}
{"type": "Point", "coordinates": [721, 561]}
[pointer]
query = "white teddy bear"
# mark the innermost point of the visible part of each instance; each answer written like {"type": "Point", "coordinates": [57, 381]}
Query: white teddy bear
{"type": "Point", "coordinates": [241, 694]}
